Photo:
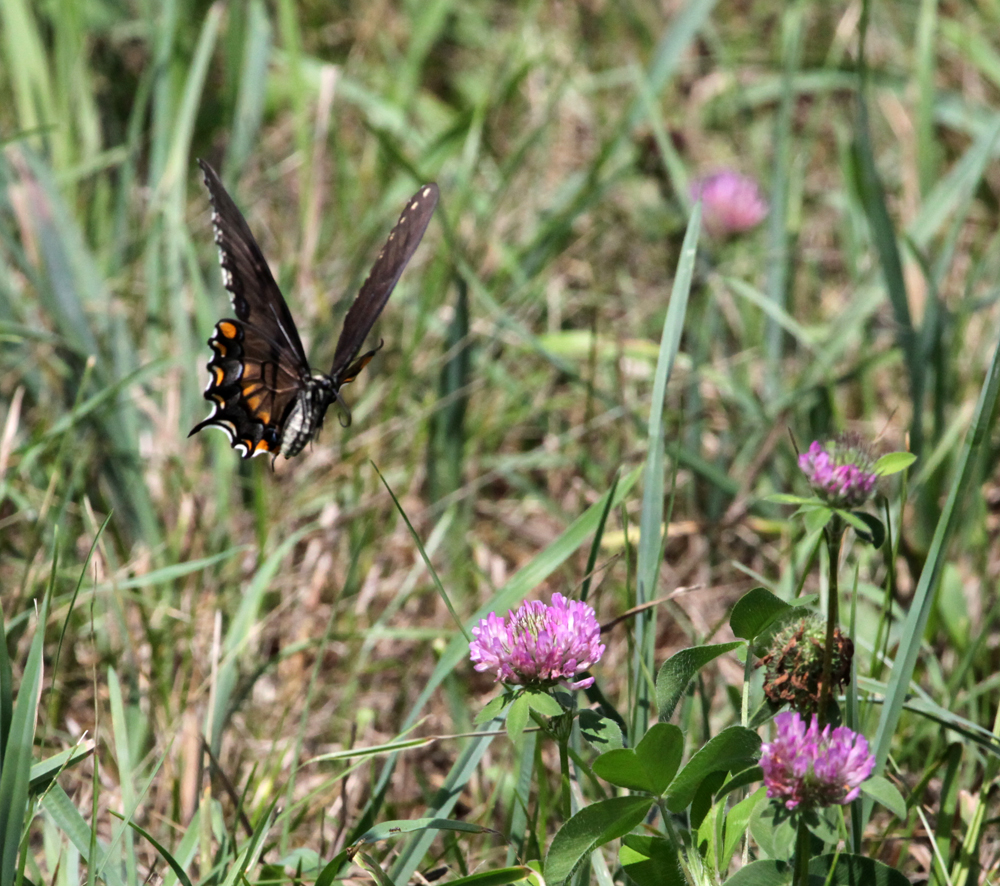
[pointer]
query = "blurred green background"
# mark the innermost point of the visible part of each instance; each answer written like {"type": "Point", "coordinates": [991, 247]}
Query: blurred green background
{"type": "Point", "coordinates": [286, 612]}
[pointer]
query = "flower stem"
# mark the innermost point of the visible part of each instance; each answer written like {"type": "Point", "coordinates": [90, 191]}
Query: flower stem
{"type": "Point", "coordinates": [567, 805]}
{"type": "Point", "coordinates": [834, 535]}
{"type": "Point", "coordinates": [559, 729]}
{"type": "Point", "coordinates": [800, 873]}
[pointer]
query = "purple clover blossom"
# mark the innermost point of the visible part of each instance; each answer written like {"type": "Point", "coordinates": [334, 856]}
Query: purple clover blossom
{"type": "Point", "coordinates": [806, 767]}
{"type": "Point", "coordinates": [539, 645]}
{"type": "Point", "coordinates": [840, 471]}
{"type": "Point", "coordinates": [731, 203]}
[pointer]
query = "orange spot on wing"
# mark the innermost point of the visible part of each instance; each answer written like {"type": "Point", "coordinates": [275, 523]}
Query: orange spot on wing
{"type": "Point", "coordinates": [220, 374]}
{"type": "Point", "coordinates": [228, 329]}
{"type": "Point", "coordinates": [263, 446]}
{"type": "Point", "coordinates": [264, 416]}
{"type": "Point", "coordinates": [254, 402]}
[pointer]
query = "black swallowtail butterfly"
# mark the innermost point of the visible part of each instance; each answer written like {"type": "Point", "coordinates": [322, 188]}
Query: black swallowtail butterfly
{"type": "Point", "coordinates": [263, 394]}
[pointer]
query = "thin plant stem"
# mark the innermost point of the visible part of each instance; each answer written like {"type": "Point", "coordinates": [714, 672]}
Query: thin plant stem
{"type": "Point", "coordinates": [567, 807]}
{"type": "Point", "coordinates": [559, 729]}
{"type": "Point", "coordinates": [834, 535]}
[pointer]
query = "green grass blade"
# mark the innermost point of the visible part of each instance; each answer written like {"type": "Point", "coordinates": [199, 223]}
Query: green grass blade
{"type": "Point", "coordinates": [84, 407]}
{"type": "Point", "coordinates": [444, 801]}
{"type": "Point", "coordinates": [163, 23]}
{"type": "Point", "coordinates": [185, 849]}
{"type": "Point", "coordinates": [928, 147]}
{"type": "Point", "coordinates": [448, 431]}
{"type": "Point", "coordinates": [670, 51]}
{"type": "Point", "coordinates": [373, 750]}
{"type": "Point", "coordinates": [778, 251]}
{"type": "Point", "coordinates": [174, 864]}
{"type": "Point", "coordinates": [70, 607]}
{"type": "Point", "coordinates": [59, 807]}
{"type": "Point", "coordinates": [249, 109]}
{"type": "Point", "coordinates": [75, 297]}
{"type": "Point", "coordinates": [290, 34]}
{"type": "Point", "coordinates": [15, 766]}
{"type": "Point", "coordinates": [521, 825]}
{"type": "Point", "coordinates": [389, 830]}
{"type": "Point", "coordinates": [884, 237]}
{"type": "Point", "coordinates": [43, 772]}
{"type": "Point", "coordinates": [442, 593]}
{"type": "Point", "coordinates": [177, 170]}
{"type": "Point", "coordinates": [251, 851]}
{"type": "Point", "coordinates": [923, 597]}
{"type": "Point", "coordinates": [975, 44]}
{"type": "Point", "coordinates": [957, 187]}
{"type": "Point", "coordinates": [775, 312]}
{"type": "Point", "coordinates": [127, 775]}
{"type": "Point", "coordinates": [429, 20]}
{"type": "Point", "coordinates": [6, 689]}
{"type": "Point", "coordinates": [67, 297]}
{"type": "Point", "coordinates": [27, 65]}
{"type": "Point", "coordinates": [595, 547]}
{"type": "Point", "coordinates": [654, 483]}
{"type": "Point", "coordinates": [171, 573]}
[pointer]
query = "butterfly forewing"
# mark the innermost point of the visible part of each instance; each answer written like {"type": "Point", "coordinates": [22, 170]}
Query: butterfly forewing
{"type": "Point", "coordinates": [255, 296]}
{"type": "Point", "coordinates": [375, 291]}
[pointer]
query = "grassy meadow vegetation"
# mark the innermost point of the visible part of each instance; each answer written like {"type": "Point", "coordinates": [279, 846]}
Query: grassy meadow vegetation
{"type": "Point", "coordinates": [217, 670]}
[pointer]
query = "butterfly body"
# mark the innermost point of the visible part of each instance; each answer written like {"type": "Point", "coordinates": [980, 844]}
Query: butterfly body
{"type": "Point", "coordinates": [306, 415]}
{"type": "Point", "coordinates": [263, 393]}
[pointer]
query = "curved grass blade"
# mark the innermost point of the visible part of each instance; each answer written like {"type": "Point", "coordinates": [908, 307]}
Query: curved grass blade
{"type": "Point", "coordinates": [70, 822]}
{"type": "Point", "coordinates": [386, 830]}
{"type": "Point", "coordinates": [916, 620]}
{"type": "Point", "coordinates": [175, 866]}
{"type": "Point", "coordinates": [15, 765]}
{"type": "Point", "coordinates": [423, 553]}
{"type": "Point", "coordinates": [651, 521]}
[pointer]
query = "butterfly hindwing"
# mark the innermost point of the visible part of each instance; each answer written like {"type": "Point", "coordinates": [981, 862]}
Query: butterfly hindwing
{"type": "Point", "coordinates": [251, 397]}
{"type": "Point", "coordinates": [375, 291]}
